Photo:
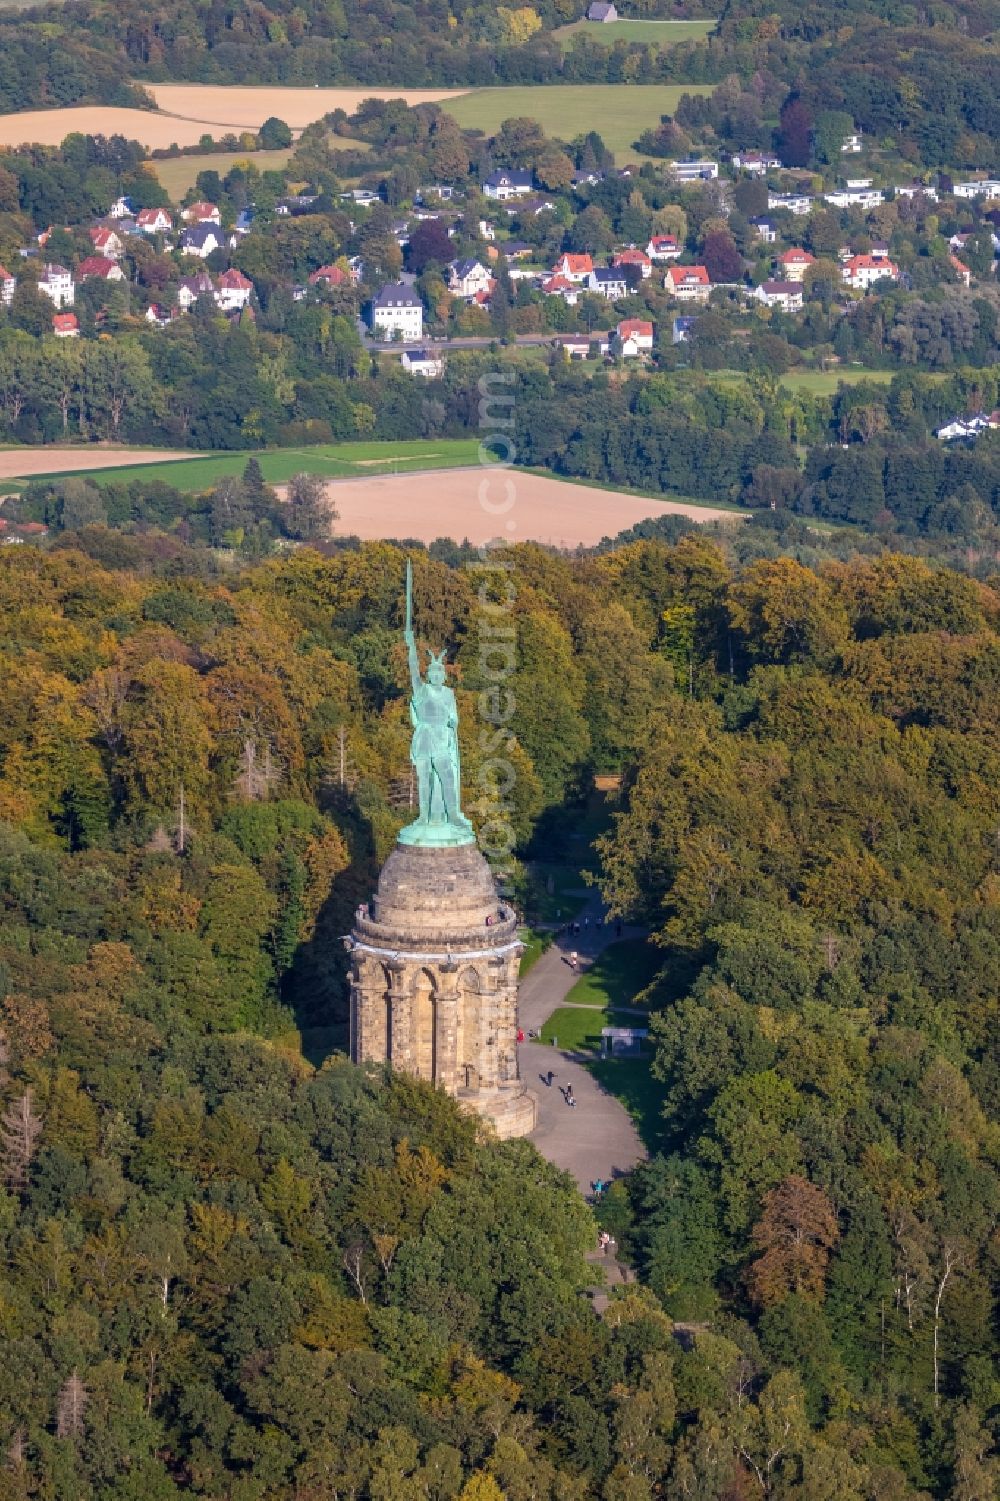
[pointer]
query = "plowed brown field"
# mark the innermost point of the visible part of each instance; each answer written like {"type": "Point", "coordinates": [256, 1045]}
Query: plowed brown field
{"type": "Point", "coordinates": [18, 463]}
{"type": "Point", "coordinates": [525, 508]}
{"type": "Point", "coordinates": [248, 108]}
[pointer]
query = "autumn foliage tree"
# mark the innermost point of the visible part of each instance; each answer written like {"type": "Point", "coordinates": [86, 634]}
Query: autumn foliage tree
{"type": "Point", "coordinates": [795, 1234]}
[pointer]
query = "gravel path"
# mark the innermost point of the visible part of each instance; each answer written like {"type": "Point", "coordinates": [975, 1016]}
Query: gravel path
{"type": "Point", "coordinates": [596, 1139]}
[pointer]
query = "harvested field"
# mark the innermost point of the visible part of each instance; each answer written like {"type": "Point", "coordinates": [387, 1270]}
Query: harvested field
{"type": "Point", "coordinates": [248, 108]}
{"type": "Point", "coordinates": [22, 463]}
{"type": "Point", "coordinates": [50, 127]}
{"type": "Point", "coordinates": [452, 504]}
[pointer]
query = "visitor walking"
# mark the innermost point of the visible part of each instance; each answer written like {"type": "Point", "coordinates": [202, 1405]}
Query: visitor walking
{"type": "Point", "coordinates": [570, 1097]}
{"type": "Point", "coordinates": [549, 1077]}
{"type": "Point", "coordinates": [572, 959]}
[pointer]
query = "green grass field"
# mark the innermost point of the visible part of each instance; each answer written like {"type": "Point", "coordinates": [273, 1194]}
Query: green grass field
{"type": "Point", "coordinates": [579, 1031]}
{"type": "Point", "coordinates": [279, 464]}
{"type": "Point", "coordinates": [617, 975]}
{"type": "Point", "coordinates": [178, 173]}
{"type": "Point", "coordinates": [653, 33]}
{"type": "Point", "coordinates": [825, 382]}
{"type": "Point", "coordinates": [621, 112]}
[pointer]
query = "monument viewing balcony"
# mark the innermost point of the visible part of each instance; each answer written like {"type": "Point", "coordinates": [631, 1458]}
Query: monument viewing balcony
{"type": "Point", "coordinates": [441, 938]}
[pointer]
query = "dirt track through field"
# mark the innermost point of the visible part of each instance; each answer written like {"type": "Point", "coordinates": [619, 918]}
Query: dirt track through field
{"type": "Point", "coordinates": [525, 508]}
{"type": "Point", "coordinates": [17, 463]}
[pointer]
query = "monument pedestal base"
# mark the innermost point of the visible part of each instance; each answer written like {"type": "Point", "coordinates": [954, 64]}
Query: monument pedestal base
{"type": "Point", "coordinates": [510, 1112]}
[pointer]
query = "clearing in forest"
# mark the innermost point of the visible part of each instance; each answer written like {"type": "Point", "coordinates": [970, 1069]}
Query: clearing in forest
{"type": "Point", "coordinates": [620, 111]}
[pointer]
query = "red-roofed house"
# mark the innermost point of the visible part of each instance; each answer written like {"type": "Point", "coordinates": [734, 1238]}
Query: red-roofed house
{"type": "Point", "coordinates": [863, 271]}
{"type": "Point", "coordinates": [574, 267]}
{"type": "Point", "coordinates": [233, 290]}
{"type": "Point", "coordinates": [329, 276]}
{"type": "Point", "coordinates": [154, 221]}
{"type": "Point", "coordinates": [663, 248]}
{"type": "Point", "coordinates": [961, 270]}
{"type": "Point", "coordinates": [101, 268]}
{"type": "Point", "coordinates": [106, 241]}
{"type": "Point", "coordinates": [688, 283]}
{"type": "Point", "coordinates": [561, 286]}
{"type": "Point", "coordinates": [633, 336]}
{"type": "Point", "coordinates": [8, 286]}
{"type": "Point", "coordinates": [66, 326]}
{"type": "Point", "coordinates": [793, 264]}
{"type": "Point", "coordinates": [201, 213]}
{"type": "Point", "coordinates": [633, 257]}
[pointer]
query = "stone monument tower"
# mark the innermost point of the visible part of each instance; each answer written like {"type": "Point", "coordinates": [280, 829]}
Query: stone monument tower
{"type": "Point", "coordinates": [434, 963]}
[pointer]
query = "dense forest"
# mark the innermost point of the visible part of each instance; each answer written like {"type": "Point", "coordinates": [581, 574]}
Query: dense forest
{"type": "Point", "coordinates": [230, 1272]}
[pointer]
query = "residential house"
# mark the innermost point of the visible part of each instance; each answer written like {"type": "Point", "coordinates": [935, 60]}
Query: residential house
{"type": "Point", "coordinates": [66, 326]}
{"type": "Point", "coordinates": [574, 267]}
{"type": "Point", "coordinates": [233, 291]}
{"type": "Point", "coordinates": [680, 331]}
{"type": "Point", "coordinates": [330, 276]}
{"type": "Point", "coordinates": [200, 240]}
{"type": "Point", "coordinates": [702, 171]}
{"type": "Point", "coordinates": [608, 283]}
{"type": "Point", "coordinates": [793, 264]}
{"type": "Point", "coordinates": [798, 204]}
{"type": "Point", "coordinates": [443, 191]}
{"type": "Point", "coordinates": [8, 286]}
{"type": "Point", "coordinates": [967, 427]}
{"type": "Point", "coordinates": [688, 283]}
{"type": "Point", "coordinates": [587, 177]}
{"type": "Point", "coordinates": [106, 241]}
{"type": "Point", "coordinates": [505, 184]}
{"type": "Point", "coordinates": [121, 209]}
{"type": "Point", "coordinates": [157, 315]}
{"type": "Point", "coordinates": [57, 284]}
{"type": "Point", "coordinates": [765, 230]}
{"type": "Point", "coordinates": [863, 271]}
{"type": "Point", "coordinates": [755, 163]}
{"type": "Point", "coordinates": [468, 278]}
{"type": "Point", "coordinates": [425, 362]}
{"type": "Point", "coordinates": [633, 337]}
{"type": "Point", "coordinates": [786, 295]}
{"type": "Point", "coordinates": [603, 11]}
{"type": "Point", "coordinates": [154, 221]}
{"type": "Point", "coordinates": [855, 197]}
{"type": "Point", "coordinates": [99, 268]}
{"type": "Point", "coordinates": [634, 257]}
{"type": "Point", "coordinates": [244, 220]}
{"type": "Point", "coordinates": [201, 213]}
{"type": "Point", "coordinates": [363, 197]}
{"type": "Point", "coordinates": [193, 287]}
{"type": "Point", "coordinates": [396, 311]}
{"type": "Point", "coordinates": [578, 346]}
{"type": "Point", "coordinates": [561, 286]}
{"type": "Point", "coordinates": [987, 187]}
{"type": "Point", "coordinates": [530, 207]}
{"type": "Point", "coordinates": [487, 231]}
{"type": "Point", "coordinates": [961, 270]}
{"type": "Point", "coordinates": [516, 250]}
{"type": "Point", "coordinates": [663, 248]}
{"type": "Point", "coordinates": [918, 190]}
{"type": "Point", "coordinates": [295, 203]}
{"type": "Point", "coordinates": [851, 144]}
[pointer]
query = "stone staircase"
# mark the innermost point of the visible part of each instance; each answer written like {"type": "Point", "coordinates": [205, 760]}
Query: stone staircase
{"type": "Point", "coordinates": [615, 1274]}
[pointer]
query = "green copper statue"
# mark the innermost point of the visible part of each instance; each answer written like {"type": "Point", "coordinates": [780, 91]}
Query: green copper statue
{"type": "Point", "coordinates": [434, 748]}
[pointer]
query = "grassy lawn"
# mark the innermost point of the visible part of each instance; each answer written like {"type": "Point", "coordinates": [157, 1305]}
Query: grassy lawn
{"type": "Point", "coordinates": [825, 382]}
{"type": "Point", "coordinates": [618, 975]}
{"type": "Point", "coordinates": [621, 112]}
{"type": "Point", "coordinates": [178, 173]}
{"type": "Point", "coordinates": [653, 33]}
{"type": "Point", "coordinates": [535, 944]}
{"type": "Point", "coordinates": [279, 464]}
{"type": "Point", "coordinates": [580, 1031]}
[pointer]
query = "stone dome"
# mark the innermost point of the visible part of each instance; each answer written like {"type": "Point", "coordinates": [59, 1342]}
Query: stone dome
{"type": "Point", "coordinates": [425, 890]}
